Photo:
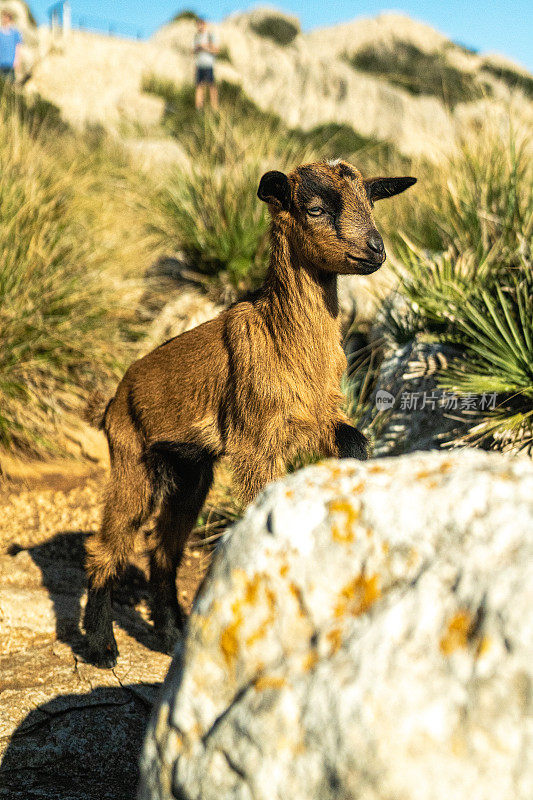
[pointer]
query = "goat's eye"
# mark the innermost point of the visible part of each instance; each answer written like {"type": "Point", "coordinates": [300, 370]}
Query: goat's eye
{"type": "Point", "coordinates": [315, 211]}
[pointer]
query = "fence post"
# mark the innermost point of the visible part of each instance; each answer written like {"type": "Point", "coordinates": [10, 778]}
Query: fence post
{"type": "Point", "coordinates": [67, 20]}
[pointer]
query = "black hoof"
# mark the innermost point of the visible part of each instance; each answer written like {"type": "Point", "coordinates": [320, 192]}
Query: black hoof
{"type": "Point", "coordinates": [103, 660]}
{"type": "Point", "coordinates": [169, 628]}
{"type": "Point", "coordinates": [102, 650]}
{"type": "Point", "coordinates": [104, 657]}
{"type": "Point", "coordinates": [168, 638]}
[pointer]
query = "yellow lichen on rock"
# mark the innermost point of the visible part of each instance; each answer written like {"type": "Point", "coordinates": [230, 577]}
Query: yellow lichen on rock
{"type": "Point", "coordinates": [461, 632]}
{"type": "Point", "coordinates": [345, 533]}
{"type": "Point", "coordinates": [310, 660]}
{"type": "Point", "coordinates": [457, 633]}
{"type": "Point", "coordinates": [297, 594]}
{"type": "Point", "coordinates": [263, 627]}
{"type": "Point", "coordinates": [375, 469]}
{"type": "Point", "coordinates": [230, 638]}
{"type": "Point", "coordinates": [358, 596]}
{"type": "Point", "coordinates": [269, 682]}
{"type": "Point", "coordinates": [334, 637]}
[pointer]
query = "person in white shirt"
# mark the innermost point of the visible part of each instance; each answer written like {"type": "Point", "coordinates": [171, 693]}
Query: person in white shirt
{"type": "Point", "coordinates": [205, 49]}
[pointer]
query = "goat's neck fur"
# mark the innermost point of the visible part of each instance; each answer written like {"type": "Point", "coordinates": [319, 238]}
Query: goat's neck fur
{"type": "Point", "coordinates": [298, 298]}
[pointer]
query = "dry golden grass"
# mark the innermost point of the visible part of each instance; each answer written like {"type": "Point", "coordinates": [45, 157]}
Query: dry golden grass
{"type": "Point", "coordinates": [73, 244]}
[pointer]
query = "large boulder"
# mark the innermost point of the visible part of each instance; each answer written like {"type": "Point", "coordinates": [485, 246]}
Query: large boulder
{"type": "Point", "coordinates": [364, 632]}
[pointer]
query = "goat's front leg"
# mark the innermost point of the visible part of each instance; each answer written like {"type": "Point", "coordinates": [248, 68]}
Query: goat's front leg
{"type": "Point", "coordinates": [350, 442]}
{"type": "Point", "coordinates": [253, 472]}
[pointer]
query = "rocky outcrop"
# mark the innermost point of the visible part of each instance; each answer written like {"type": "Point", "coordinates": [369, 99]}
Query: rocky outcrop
{"type": "Point", "coordinates": [98, 79]}
{"type": "Point", "coordinates": [364, 632]}
{"type": "Point", "coordinates": [307, 84]}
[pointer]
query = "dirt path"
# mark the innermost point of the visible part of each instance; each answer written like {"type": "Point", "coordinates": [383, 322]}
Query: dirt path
{"type": "Point", "coordinates": [68, 730]}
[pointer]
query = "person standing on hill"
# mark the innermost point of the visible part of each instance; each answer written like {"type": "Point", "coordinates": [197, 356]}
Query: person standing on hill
{"type": "Point", "coordinates": [205, 49]}
{"type": "Point", "coordinates": [10, 41]}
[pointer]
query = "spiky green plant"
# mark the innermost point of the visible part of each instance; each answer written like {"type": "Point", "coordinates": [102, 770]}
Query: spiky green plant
{"type": "Point", "coordinates": [476, 292]}
{"type": "Point", "coordinates": [495, 329]}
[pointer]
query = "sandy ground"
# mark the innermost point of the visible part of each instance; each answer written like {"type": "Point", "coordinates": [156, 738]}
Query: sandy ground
{"type": "Point", "coordinates": [68, 730]}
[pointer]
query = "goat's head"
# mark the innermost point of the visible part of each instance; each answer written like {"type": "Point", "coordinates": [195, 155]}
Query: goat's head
{"type": "Point", "coordinates": [326, 209]}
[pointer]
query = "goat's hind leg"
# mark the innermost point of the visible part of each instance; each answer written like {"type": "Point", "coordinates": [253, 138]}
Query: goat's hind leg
{"type": "Point", "coordinates": [127, 507]}
{"type": "Point", "coordinates": [190, 478]}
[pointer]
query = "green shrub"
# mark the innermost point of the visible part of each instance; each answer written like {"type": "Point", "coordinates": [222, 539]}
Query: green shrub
{"type": "Point", "coordinates": [418, 72]}
{"type": "Point", "coordinates": [495, 328]}
{"type": "Point", "coordinates": [210, 209]}
{"type": "Point", "coordinates": [279, 29]}
{"type": "Point", "coordinates": [181, 116]}
{"type": "Point", "coordinates": [182, 119]}
{"type": "Point", "coordinates": [179, 101]}
{"type": "Point", "coordinates": [463, 48]}
{"type": "Point", "coordinates": [512, 79]}
{"type": "Point", "coordinates": [224, 54]}
{"type": "Point", "coordinates": [184, 15]}
{"type": "Point", "coordinates": [339, 140]}
{"type": "Point", "coordinates": [480, 202]}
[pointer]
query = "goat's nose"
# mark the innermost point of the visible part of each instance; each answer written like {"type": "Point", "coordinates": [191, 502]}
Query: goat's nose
{"type": "Point", "coordinates": [375, 243]}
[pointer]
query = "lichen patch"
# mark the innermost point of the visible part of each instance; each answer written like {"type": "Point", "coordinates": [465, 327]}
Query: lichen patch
{"type": "Point", "coordinates": [231, 636]}
{"type": "Point", "coordinates": [334, 637]}
{"type": "Point", "coordinates": [343, 532]}
{"type": "Point", "coordinates": [358, 596]}
{"type": "Point", "coordinates": [457, 633]}
{"type": "Point", "coordinates": [269, 682]}
{"type": "Point", "coordinates": [310, 660]}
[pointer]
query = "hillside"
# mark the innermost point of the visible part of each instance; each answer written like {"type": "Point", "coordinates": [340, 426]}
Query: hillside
{"type": "Point", "coordinates": [390, 78]}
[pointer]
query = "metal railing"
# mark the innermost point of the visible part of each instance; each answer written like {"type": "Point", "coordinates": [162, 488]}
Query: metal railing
{"type": "Point", "coordinates": [88, 22]}
{"type": "Point", "coordinates": [62, 20]}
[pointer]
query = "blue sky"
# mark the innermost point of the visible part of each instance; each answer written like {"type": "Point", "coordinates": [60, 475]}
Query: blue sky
{"type": "Point", "coordinates": [505, 26]}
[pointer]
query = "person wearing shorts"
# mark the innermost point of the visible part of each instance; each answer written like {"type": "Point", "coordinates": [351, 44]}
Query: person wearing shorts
{"type": "Point", "coordinates": [205, 50]}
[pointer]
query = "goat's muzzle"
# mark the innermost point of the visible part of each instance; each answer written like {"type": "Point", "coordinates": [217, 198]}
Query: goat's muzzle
{"type": "Point", "coordinates": [365, 266]}
{"type": "Point", "coordinates": [366, 259]}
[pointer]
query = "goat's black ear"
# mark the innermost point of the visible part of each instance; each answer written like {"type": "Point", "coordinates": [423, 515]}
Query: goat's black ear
{"type": "Point", "coordinates": [274, 188]}
{"type": "Point", "coordinates": [379, 188]}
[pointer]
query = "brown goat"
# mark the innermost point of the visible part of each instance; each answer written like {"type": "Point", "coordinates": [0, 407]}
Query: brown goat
{"type": "Point", "coordinates": [259, 384]}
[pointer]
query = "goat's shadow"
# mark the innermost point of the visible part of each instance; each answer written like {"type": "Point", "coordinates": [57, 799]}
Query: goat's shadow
{"type": "Point", "coordinates": [79, 746]}
{"type": "Point", "coordinates": [61, 561]}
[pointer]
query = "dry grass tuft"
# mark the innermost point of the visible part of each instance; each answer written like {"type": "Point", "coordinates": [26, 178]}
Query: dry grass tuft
{"type": "Point", "coordinates": [72, 237]}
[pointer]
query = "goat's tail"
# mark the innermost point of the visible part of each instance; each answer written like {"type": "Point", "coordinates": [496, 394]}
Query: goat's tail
{"type": "Point", "coordinates": [96, 410]}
